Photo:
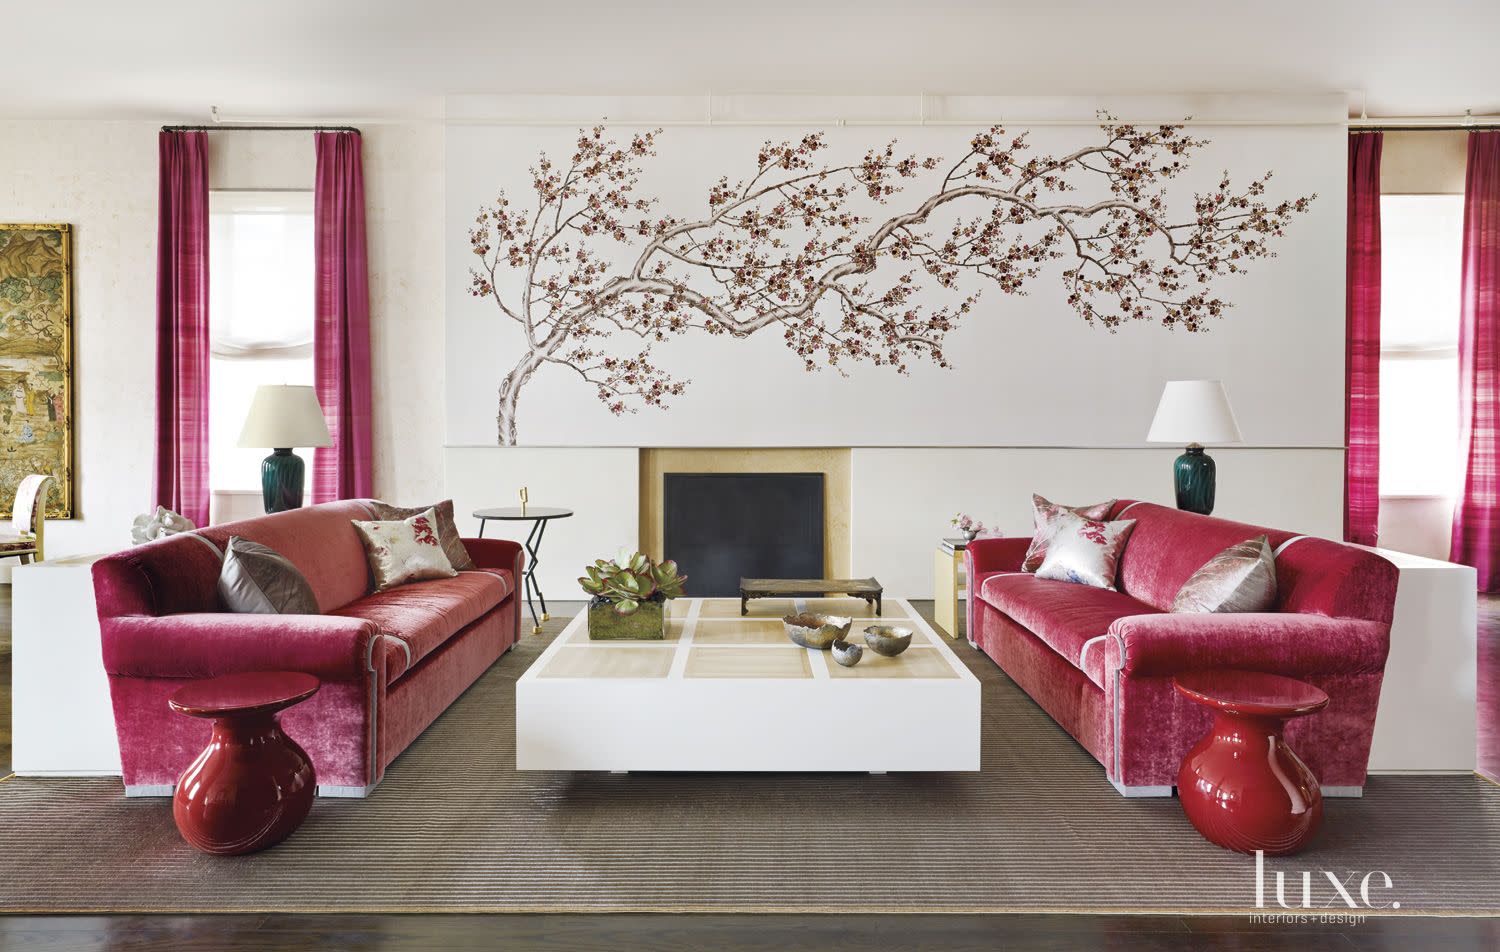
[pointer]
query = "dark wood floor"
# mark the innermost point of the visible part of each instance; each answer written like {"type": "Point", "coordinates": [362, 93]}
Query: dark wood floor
{"type": "Point", "coordinates": [743, 933]}
{"type": "Point", "coordinates": [766, 933]}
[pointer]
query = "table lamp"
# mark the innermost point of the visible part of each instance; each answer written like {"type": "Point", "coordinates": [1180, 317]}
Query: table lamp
{"type": "Point", "coordinates": [282, 417]}
{"type": "Point", "coordinates": [1194, 412]}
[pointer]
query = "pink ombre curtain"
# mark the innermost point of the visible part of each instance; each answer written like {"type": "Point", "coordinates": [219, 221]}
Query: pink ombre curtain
{"type": "Point", "coordinates": [341, 329]}
{"type": "Point", "coordinates": [181, 481]}
{"type": "Point", "coordinates": [1476, 518]}
{"type": "Point", "coordinates": [1362, 343]}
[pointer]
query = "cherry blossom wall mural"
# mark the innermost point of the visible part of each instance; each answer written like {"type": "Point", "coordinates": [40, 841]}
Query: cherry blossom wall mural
{"type": "Point", "coordinates": [867, 259]}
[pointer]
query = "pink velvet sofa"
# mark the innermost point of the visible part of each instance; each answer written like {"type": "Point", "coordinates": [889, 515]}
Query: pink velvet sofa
{"type": "Point", "coordinates": [390, 662]}
{"type": "Point", "coordinates": [1101, 662]}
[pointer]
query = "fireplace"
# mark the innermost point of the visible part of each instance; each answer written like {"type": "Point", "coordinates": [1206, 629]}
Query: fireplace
{"type": "Point", "coordinates": [721, 527]}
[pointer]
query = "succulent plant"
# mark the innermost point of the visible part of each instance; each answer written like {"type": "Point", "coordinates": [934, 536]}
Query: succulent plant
{"type": "Point", "coordinates": [631, 578]}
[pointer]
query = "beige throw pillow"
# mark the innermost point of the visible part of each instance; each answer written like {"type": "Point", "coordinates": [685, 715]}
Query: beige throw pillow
{"type": "Point", "coordinates": [404, 551]}
{"type": "Point", "coordinates": [257, 580]}
{"type": "Point", "coordinates": [453, 546]}
{"type": "Point", "coordinates": [1242, 578]}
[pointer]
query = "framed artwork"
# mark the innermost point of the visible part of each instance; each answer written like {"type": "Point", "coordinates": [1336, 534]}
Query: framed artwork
{"type": "Point", "coordinates": [36, 362]}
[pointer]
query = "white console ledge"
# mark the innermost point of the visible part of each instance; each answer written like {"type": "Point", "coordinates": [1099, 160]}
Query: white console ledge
{"type": "Point", "coordinates": [62, 723]}
{"type": "Point", "coordinates": [1427, 720]}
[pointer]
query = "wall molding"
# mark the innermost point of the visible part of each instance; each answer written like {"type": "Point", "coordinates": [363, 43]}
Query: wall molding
{"type": "Point", "coordinates": [915, 108]}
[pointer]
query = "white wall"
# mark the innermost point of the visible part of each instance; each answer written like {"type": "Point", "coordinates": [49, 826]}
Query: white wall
{"type": "Point", "coordinates": [600, 485]}
{"type": "Point", "coordinates": [1027, 371]}
{"type": "Point", "coordinates": [101, 177]}
{"type": "Point", "coordinates": [1037, 402]}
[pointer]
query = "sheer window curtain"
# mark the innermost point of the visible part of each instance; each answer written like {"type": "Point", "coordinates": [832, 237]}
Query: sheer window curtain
{"type": "Point", "coordinates": [341, 321]}
{"type": "Point", "coordinates": [1362, 342]}
{"type": "Point", "coordinates": [182, 332]}
{"type": "Point", "coordinates": [1476, 517]}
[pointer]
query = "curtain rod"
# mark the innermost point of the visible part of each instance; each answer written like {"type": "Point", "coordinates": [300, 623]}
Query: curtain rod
{"type": "Point", "coordinates": [1464, 123]}
{"type": "Point", "coordinates": [1475, 126]}
{"type": "Point", "coordinates": [249, 128]}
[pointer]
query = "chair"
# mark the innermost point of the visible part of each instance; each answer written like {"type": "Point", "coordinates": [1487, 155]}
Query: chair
{"type": "Point", "coordinates": [28, 524]}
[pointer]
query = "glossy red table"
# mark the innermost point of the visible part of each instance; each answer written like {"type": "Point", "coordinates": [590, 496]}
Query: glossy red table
{"type": "Point", "coordinates": [252, 785]}
{"type": "Point", "coordinates": [1241, 785]}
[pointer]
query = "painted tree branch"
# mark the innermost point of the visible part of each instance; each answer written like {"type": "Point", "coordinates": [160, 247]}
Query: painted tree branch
{"type": "Point", "coordinates": [790, 248]}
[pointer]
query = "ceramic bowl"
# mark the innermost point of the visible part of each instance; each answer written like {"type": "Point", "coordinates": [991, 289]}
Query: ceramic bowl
{"type": "Point", "coordinates": [888, 640]}
{"type": "Point", "coordinates": [847, 653]}
{"type": "Point", "coordinates": [814, 630]}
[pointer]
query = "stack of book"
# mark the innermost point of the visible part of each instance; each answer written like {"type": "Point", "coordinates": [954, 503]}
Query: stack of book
{"type": "Point", "coordinates": [955, 545]}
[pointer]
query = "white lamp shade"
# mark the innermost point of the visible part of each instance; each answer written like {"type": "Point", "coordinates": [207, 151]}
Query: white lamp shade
{"type": "Point", "coordinates": [1194, 411]}
{"type": "Point", "coordinates": [285, 416]}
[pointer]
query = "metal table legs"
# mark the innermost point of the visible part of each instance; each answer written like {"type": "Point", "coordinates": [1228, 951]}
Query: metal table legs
{"type": "Point", "coordinates": [533, 588]}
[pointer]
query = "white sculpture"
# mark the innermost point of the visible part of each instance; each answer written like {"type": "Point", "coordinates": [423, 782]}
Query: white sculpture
{"type": "Point", "coordinates": [149, 526]}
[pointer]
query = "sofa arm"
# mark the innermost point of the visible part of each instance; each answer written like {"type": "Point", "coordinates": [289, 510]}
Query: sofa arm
{"type": "Point", "coordinates": [204, 645]}
{"type": "Point", "coordinates": [497, 554]}
{"type": "Point", "coordinates": [1289, 643]}
{"type": "Point", "coordinates": [1005, 554]}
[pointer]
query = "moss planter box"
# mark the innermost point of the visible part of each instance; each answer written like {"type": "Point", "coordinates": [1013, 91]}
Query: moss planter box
{"type": "Point", "coordinates": [647, 623]}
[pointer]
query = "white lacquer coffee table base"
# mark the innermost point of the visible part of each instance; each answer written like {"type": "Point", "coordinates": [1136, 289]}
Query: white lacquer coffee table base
{"type": "Point", "coordinates": [723, 695]}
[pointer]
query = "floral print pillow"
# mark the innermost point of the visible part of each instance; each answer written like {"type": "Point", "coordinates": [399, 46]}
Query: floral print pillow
{"type": "Point", "coordinates": [1085, 551]}
{"type": "Point", "coordinates": [1045, 515]}
{"type": "Point", "coordinates": [404, 551]}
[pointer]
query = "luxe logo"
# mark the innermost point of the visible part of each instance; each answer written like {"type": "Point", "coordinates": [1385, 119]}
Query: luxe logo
{"type": "Point", "coordinates": [1351, 893]}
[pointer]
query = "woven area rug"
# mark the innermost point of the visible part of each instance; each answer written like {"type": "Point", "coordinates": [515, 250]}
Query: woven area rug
{"type": "Point", "coordinates": [454, 827]}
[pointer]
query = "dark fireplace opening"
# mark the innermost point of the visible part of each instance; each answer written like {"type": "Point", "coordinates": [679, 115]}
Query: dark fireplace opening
{"type": "Point", "coordinates": [721, 527]}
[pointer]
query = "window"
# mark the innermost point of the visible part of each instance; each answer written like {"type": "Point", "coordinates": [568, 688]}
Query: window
{"type": "Point", "coordinates": [1421, 250]}
{"type": "Point", "coordinates": [260, 316]}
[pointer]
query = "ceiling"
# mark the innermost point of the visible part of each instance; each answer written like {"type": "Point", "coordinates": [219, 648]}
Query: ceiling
{"type": "Point", "coordinates": [365, 59]}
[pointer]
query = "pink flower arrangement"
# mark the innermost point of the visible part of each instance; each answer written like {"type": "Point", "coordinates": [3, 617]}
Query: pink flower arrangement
{"type": "Point", "coordinates": [968, 525]}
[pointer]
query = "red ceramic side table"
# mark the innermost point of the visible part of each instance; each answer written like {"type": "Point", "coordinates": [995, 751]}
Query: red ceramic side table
{"type": "Point", "coordinates": [252, 786]}
{"type": "Point", "coordinates": [1241, 785]}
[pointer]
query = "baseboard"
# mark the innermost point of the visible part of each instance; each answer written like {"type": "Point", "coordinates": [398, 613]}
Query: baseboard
{"type": "Point", "coordinates": [328, 790]}
{"type": "Point", "coordinates": [1144, 791]}
{"type": "Point", "coordinates": [149, 789]}
{"type": "Point", "coordinates": [1166, 791]}
{"type": "Point", "coordinates": [166, 790]}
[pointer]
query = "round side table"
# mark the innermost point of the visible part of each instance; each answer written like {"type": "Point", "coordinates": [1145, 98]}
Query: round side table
{"type": "Point", "coordinates": [539, 516]}
{"type": "Point", "coordinates": [1241, 785]}
{"type": "Point", "coordinates": [252, 785]}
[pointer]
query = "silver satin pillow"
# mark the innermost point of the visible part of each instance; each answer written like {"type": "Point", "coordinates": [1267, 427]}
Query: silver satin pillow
{"type": "Point", "coordinates": [258, 580]}
{"type": "Point", "coordinates": [1242, 578]}
{"type": "Point", "coordinates": [1044, 514]}
{"type": "Point", "coordinates": [1085, 551]}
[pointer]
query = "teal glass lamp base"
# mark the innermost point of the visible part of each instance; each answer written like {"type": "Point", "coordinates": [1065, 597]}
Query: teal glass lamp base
{"type": "Point", "coordinates": [281, 480]}
{"type": "Point", "coordinates": [1193, 474]}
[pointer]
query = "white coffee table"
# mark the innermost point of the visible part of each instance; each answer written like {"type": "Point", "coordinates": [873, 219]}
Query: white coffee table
{"type": "Point", "coordinates": [731, 693]}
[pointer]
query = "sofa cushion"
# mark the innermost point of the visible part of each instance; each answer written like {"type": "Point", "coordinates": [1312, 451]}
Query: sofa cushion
{"type": "Point", "coordinates": [1064, 615]}
{"type": "Point", "coordinates": [423, 615]}
{"type": "Point", "coordinates": [320, 540]}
